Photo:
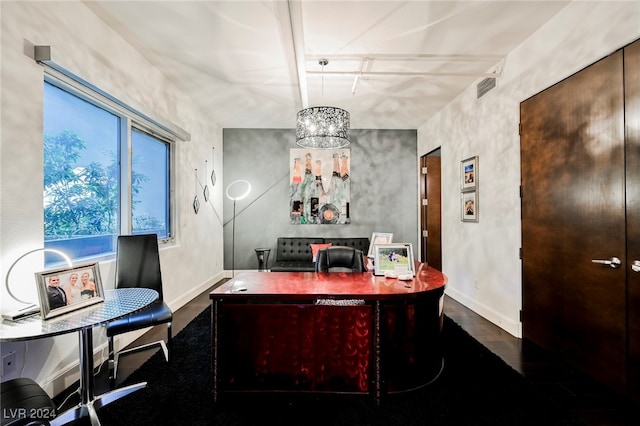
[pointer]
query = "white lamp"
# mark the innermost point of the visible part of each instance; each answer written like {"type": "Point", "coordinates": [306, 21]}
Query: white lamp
{"type": "Point", "coordinates": [237, 190]}
{"type": "Point", "coordinates": [31, 308]}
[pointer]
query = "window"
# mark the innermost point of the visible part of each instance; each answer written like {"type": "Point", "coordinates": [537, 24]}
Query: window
{"type": "Point", "coordinates": [93, 189]}
{"type": "Point", "coordinates": [150, 183]}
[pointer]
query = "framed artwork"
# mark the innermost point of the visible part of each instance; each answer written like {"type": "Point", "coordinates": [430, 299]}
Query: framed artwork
{"type": "Point", "coordinates": [68, 289]}
{"type": "Point", "coordinates": [379, 238]}
{"type": "Point", "coordinates": [469, 206]}
{"type": "Point", "coordinates": [396, 257]}
{"type": "Point", "coordinates": [469, 174]}
{"type": "Point", "coordinates": [320, 186]}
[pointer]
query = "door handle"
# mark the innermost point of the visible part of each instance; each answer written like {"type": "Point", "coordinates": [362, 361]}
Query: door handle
{"type": "Point", "coordinates": [635, 266]}
{"type": "Point", "coordinates": [614, 262]}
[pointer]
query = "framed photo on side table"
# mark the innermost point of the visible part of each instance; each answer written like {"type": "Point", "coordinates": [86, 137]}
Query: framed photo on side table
{"type": "Point", "coordinates": [469, 206]}
{"type": "Point", "coordinates": [68, 289]}
{"type": "Point", "coordinates": [387, 257]}
{"type": "Point", "coordinates": [469, 174]}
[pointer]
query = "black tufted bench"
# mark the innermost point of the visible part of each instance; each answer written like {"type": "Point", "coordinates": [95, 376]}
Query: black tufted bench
{"type": "Point", "coordinates": [293, 254]}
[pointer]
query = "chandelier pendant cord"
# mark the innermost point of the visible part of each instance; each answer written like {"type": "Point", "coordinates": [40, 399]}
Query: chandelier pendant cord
{"type": "Point", "coordinates": [323, 62]}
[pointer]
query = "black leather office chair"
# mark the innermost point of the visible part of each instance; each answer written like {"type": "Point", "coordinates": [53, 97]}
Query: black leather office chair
{"type": "Point", "coordinates": [138, 265]}
{"type": "Point", "coordinates": [25, 403]}
{"type": "Point", "coordinates": [340, 259]}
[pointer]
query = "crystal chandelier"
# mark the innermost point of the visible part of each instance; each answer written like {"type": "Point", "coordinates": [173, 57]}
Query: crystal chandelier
{"type": "Point", "coordinates": [322, 127]}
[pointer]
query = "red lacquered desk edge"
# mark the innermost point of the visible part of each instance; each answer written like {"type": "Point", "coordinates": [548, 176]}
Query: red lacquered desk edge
{"type": "Point", "coordinates": [405, 321]}
{"type": "Point", "coordinates": [305, 284]}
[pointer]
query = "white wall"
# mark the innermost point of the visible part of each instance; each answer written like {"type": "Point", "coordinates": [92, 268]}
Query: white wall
{"type": "Point", "coordinates": [481, 259]}
{"type": "Point", "coordinates": [84, 45]}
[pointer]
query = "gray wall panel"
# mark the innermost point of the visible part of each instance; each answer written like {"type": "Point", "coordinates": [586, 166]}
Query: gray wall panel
{"type": "Point", "coordinates": [384, 196]}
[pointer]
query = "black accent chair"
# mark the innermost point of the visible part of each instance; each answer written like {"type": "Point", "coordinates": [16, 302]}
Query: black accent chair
{"type": "Point", "coordinates": [25, 403]}
{"type": "Point", "coordinates": [138, 265]}
{"type": "Point", "coordinates": [340, 259]}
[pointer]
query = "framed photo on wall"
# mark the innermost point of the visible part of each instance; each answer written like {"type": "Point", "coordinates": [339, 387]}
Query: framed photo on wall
{"type": "Point", "coordinates": [67, 289]}
{"type": "Point", "coordinates": [469, 174]}
{"type": "Point", "coordinates": [388, 257]}
{"type": "Point", "coordinates": [469, 206]}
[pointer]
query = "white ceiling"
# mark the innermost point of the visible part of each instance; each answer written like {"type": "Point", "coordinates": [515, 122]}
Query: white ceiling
{"type": "Point", "coordinates": [392, 64]}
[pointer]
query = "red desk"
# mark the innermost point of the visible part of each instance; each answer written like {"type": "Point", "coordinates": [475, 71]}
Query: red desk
{"type": "Point", "coordinates": [326, 332]}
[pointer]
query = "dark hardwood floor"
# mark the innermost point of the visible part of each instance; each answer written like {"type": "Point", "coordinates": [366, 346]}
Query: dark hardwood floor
{"type": "Point", "coordinates": [129, 363]}
{"type": "Point", "coordinates": [593, 403]}
{"type": "Point", "coordinates": [585, 398]}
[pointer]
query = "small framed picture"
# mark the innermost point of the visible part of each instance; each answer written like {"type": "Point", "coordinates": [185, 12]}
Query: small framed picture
{"type": "Point", "coordinates": [67, 289]}
{"type": "Point", "coordinates": [469, 174]}
{"type": "Point", "coordinates": [379, 238]}
{"type": "Point", "coordinates": [397, 257]}
{"type": "Point", "coordinates": [469, 206]}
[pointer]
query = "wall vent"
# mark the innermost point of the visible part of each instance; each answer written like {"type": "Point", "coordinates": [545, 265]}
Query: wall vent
{"type": "Point", "coordinates": [485, 86]}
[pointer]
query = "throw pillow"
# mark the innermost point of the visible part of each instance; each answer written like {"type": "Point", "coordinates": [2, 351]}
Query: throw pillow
{"type": "Point", "coordinates": [315, 248]}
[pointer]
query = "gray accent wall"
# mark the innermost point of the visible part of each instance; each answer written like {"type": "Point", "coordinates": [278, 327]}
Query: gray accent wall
{"type": "Point", "coordinates": [384, 190]}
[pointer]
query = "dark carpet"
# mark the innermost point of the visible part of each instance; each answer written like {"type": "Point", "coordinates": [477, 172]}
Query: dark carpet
{"type": "Point", "coordinates": [475, 388]}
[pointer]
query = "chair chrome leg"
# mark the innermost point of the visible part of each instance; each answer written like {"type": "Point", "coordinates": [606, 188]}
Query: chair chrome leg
{"type": "Point", "coordinates": [114, 356]}
{"type": "Point", "coordinates": [169, 342]}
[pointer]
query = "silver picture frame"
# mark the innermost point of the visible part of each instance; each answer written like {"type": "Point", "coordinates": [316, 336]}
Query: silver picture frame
{"type": "Point", "coordinates": [386, 257]}
{"type": "Point", "coordinates": [469, 174]}
{"type": "Point", "coordinates": [81, 286]}
{"type": "Point", "coordinates": [469, 206]}
{"type": "Point", "coordinates": [379, 238]}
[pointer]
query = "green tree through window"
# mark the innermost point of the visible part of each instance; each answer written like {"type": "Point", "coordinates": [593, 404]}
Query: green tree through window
{"type": "Point", "coordinates": [78, 200]}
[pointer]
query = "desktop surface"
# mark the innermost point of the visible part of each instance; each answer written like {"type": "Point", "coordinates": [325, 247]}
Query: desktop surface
{"type": "Point", "coordinates": [305, 284]}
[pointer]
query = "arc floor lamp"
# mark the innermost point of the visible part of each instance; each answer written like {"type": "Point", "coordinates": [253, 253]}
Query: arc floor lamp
{"type": "Point", "coordinates": [237, 190]}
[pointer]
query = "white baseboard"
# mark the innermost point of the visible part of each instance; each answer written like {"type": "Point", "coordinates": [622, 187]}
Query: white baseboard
{"type": "Point", "coordinates": [70, 373]}
{"type": "Point", "coordinates": [507, 324]}
{"type": "Point", "coordinates": [229, 274]}
{"type": "Point", "coordinates": [191, 294]}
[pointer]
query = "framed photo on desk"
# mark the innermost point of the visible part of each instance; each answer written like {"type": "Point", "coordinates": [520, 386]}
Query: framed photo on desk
{"type": "Point", "coordinates": [391, 257]}
{"type": "Point", "coordinates": [379, 238]}
{"type": "Point", "coordinates": [67, 289]}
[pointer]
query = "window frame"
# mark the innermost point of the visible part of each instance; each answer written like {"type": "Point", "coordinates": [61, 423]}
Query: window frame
{"type": "Point", "coordinates": [171, 211]}
{"type": "Point", "coordinates": [130, 120]}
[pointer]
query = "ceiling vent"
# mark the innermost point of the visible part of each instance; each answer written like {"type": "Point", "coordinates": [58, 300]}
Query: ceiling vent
{"type": "Point", "coordinates": [485, 86]}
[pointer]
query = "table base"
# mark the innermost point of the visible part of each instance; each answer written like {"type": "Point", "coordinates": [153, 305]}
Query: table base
{"type": "Point", "coordinates": [89, 402]}
{"type": "Point", "coordinates": [89, 409]}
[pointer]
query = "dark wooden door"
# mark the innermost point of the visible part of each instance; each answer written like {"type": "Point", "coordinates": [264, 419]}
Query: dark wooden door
{"type": "Point", "coordinates": [431, 210]}
{"type": "Point", "coordinates": [632, 134]}
{"type": "Point", "coordinates": [573, 212]}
